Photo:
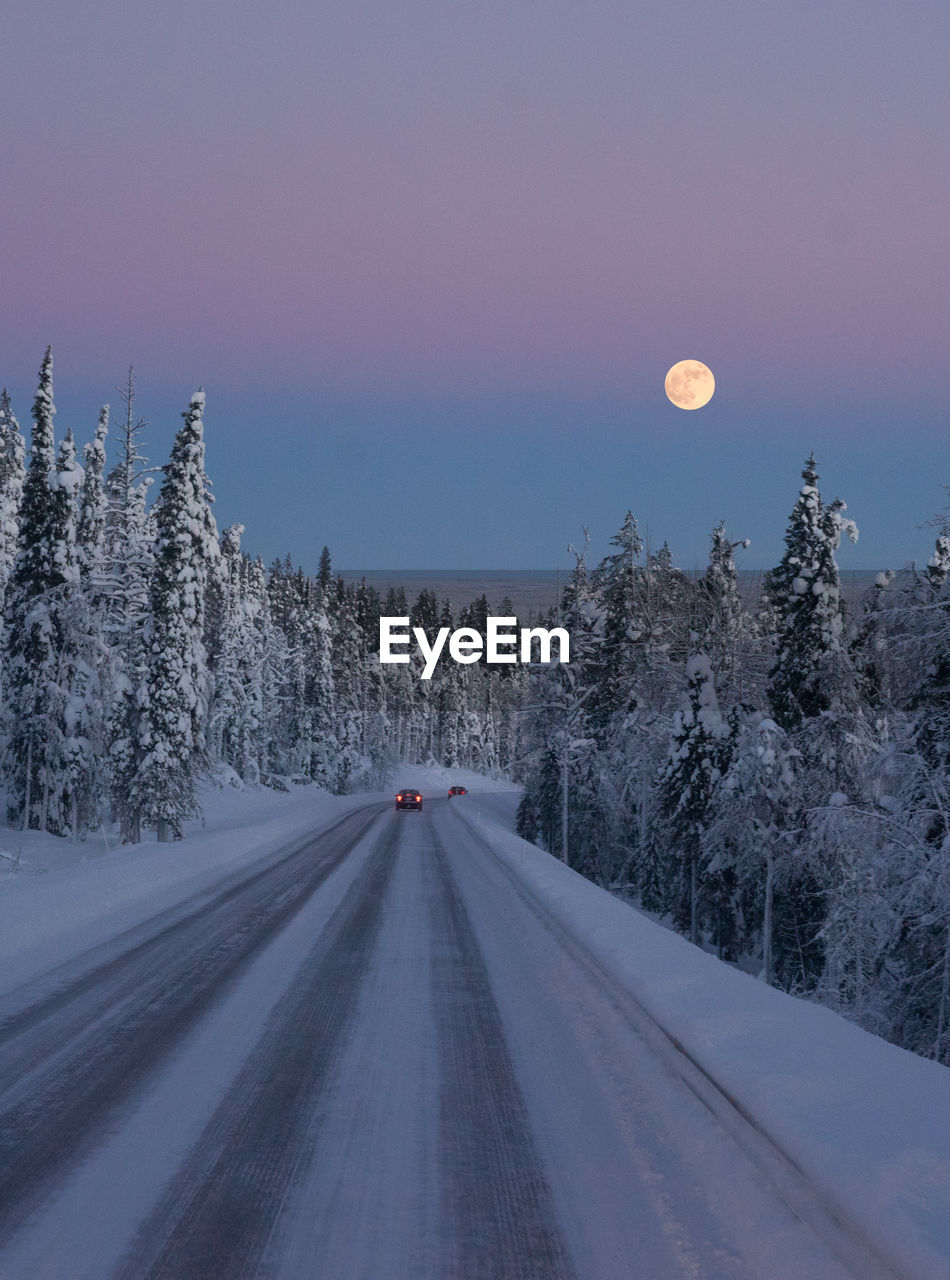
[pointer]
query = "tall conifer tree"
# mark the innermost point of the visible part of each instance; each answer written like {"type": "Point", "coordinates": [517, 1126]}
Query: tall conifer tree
{"type": "Point", "coordinates": [12, 450]}
{"type": "Point", "coordinates": [176, 693]}
{"type": "Point", "coordinates": [38, 571]}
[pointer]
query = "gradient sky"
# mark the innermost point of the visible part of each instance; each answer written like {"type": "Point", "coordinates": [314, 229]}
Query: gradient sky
{"type": "Point", "coordinates": [431, 261]}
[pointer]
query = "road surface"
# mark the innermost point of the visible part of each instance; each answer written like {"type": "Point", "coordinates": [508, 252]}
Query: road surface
{"type": "Point", "coordinates": [375, 1058]}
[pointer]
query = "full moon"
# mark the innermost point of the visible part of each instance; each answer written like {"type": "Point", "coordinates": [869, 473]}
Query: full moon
{"type": "Point", "coordinates": [690, 384]}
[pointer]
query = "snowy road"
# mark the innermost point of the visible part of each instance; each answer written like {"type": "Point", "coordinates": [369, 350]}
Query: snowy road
{"type": "Point", "coordinates": [377, 1058]}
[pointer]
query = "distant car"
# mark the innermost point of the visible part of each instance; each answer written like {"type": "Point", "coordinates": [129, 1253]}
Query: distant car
{"type": "Point", "coordinates": [457, 791]}
{"type": "Point", "coordinates": [408, 798]}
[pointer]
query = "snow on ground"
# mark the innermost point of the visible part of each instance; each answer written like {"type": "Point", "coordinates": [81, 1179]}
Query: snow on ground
{"type": "Point", "coordinates": [58, 898]}
{"type": "Point", "coordinates": [867, 1123]}
{"type": "Point", "coordinates": [65, 898]}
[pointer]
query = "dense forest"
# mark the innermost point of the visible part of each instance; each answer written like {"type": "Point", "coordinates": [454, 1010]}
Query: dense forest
{"type": "Point", "coordinates": [769, 774]}
{"type": "Point", "coordinates": [142, 650]}
{"type": "Point", "coordinates": [766, 772]}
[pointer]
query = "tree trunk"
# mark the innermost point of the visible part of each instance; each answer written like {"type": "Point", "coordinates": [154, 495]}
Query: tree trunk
{"type": "Point", "coordinates": [164, 831]}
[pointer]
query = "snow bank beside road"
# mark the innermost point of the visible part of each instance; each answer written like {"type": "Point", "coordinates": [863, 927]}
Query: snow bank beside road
{"type": "Point", "coordinates": [70, 897]}
{"type": "Point", "coordinates": [65, 898]}
{"type": "Point", "coordinates": [867, 1123]}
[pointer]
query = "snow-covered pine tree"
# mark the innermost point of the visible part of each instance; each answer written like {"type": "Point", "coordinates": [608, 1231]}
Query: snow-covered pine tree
{"type": "Point", "coordinates": [698, 756]}
{"type": "Point", "coordinates": [74, 788]}
{"type": "Point", "coordinates": [805, 595]}
{"type": "Point", "coordinates": [230, 729]}
{"type": "Point", "coordinates": [350, 686]}
{"type": "Point", "coordinates": [749, 840]}
{"type": "Point", "coordinates": [448, 713]}
{"type": "Point", "coordinates": [52, 686]}
{"type": "Point", "coordinates": [722, 614]}
{"type": "Point", "coordinates": [42, 567]}
{"type": "Point", "coordinates": [128, 558]}
{"type": "Point", "coordinates": [176, 696]}
{"type": "Point", "coordinates": [929, 624]}
{"type": "Point", "coordinates": [270, 689]}
{"type": "Point", "coordinates": [620, 578]}
{"type": "Point", "coordinates": [93, 505]}
{"type": "Point", "coordinates": [673, 611]}
{"type": "Point", "coordinates": [324, 760]}
{"type": "Point", "coordinates": [814, 695]}
{"type": "Point", "coordinates": [570, 813]}
{"type": "Point", "coordinates": [938, 566]}
{"type": "Point", "coordinates": [129, 568]}
{"type": "Point", "coordinates": [325, 571]}
{"type": "Point", "coordinates": [12, 449]}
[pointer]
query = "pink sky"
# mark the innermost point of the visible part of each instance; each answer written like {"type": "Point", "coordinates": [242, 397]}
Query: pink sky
{"type": "Point", "coordinates": [430, 201]}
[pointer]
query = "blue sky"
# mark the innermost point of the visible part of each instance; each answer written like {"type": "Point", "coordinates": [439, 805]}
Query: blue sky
{"type": "Point", "coordinates": [432, 263]}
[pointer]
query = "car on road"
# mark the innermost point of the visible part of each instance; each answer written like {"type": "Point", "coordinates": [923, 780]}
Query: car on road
{"type": "Point", "coordinates": [457, 791]}
{"type": "Point", "coordinates": [408, 798]}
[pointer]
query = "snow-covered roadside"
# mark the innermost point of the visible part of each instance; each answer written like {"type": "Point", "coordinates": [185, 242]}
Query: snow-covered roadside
{"type": "Point", "coordinates": [69, 897]}
{"type": "Point", "coordinates": [65, 898]}
{"type": "Point", "coordinates": [868, 1123]}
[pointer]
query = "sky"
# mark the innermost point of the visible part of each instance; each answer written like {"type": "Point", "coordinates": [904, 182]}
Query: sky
{"type": "Point", "coordinates": [431, 262]}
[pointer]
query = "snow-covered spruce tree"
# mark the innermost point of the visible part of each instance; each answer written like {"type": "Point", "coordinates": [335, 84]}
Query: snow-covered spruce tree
{"type": "Point", "coordinates": [698, 755]}
{"type": "Point", "coordinates": [672, 612]}
{"type": "Point", "coordinates": [805, 595]}
{"type": "Point", "coordinates": [74, 789]}
{"type": "Point", "coordinates": [722, 620]}
{"type": "Point", "coordinates": [175, 698]}
{"type": "Point", "coordinates": [128, 558]}
{"type": "Point", "coordinates": [887, 929]}
{"type": "Point", "coordinates": [260, 687]}
{"type": "Point", "coordinates": [449, 716]}
{"type": "Point", "coordinates": [854, 851]}
{"type": "Point", "coordinates": [235, 713]}
{"type": "Point", "coordinates": [90, 531]}
{"type": "Point", "coordinates": [52, 688]}
{"type": "Point", "coordinates": [325, 571]}
{"type": "Point", "coordinates": [12, 450]}
{"type": "Point", "coordinates": [814, 694]}
{"type": "Point", "coordinates": [573, 810]}
{"type": "Point", "coordinates": [929, 701]}
{"type": "Point", "coordinates": [915, 980]}
{"type": "Point", "coordinates": [293, 743]}
{"type": "Point", "coordinates": [750, 839]}
{"type": "Point", "coordinates": [866, 649]}
{"type": "Point", "coordinates": [272, 686]}
{"type": "Point", "coordinates": [44, 565]}
{"type": "Point", "coordinates": [628, 711]}
{"type": "Point", "coordinates": [129, 567]}
{"type": "Point", "coordinates": [347, 646]}
{"type": "Point", "coordinates": [620, 578]}
{"type": "Point", "coordinates": [938, 566]}
{"type": "Point", "coordinates": [324, 758]}
{"type": "Point", "coordinates": [380, 750]}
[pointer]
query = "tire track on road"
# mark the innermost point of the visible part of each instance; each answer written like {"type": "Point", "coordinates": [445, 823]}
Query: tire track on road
{"type": "Point", "coordinates": [499, 1213]}
{"type": "Point", "coordinates": [810, 1205]}
{"type": "Point", "coordinates": [221, 1210]}
{"type": "Point", "coordinates": [71, 1058]}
